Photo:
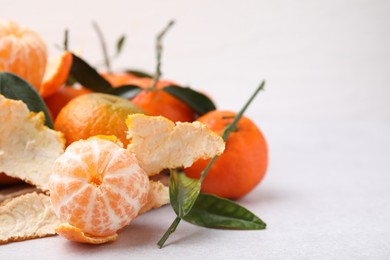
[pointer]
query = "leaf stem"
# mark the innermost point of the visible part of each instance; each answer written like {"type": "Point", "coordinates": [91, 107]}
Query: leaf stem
{"type": "Point", "coordinates": [170, 230]}
{"type": "Point", "coordinates": [159, 49]}
{"type": "Point", "coordinates": [103, 45]}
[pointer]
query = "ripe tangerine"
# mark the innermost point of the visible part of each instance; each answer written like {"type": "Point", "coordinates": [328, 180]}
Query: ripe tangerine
{"type": "Point", "coordinates": [242, 165]}
{"type": "Point", "coordinates": [95, 114]}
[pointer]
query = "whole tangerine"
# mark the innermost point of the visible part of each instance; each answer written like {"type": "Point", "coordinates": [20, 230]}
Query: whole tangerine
{"type": "Point", "coordinates": [95, 114]}
{"type": "Point", "coordinates": [61, 97]}
{"type": "Point", "coordinates": [242, 165]}
{"type": "Point", "coordinates": [156, 102]}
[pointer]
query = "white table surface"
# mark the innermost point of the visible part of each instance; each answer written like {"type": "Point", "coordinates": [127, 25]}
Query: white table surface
{"type": "Point", "coordinates": [325, 114]}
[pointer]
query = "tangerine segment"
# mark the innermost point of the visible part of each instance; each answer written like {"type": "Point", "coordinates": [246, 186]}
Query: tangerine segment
{"type": "Point", "coordinates": [57, 71]}
{"type": "Point", "coordinates": [75, 234]}
{"type": "Point", "coordinates": [98, 187]}
{"type": "Point", "coordinates": [22, 52]}
{"type": "Point", "coordinates": [160, 144]}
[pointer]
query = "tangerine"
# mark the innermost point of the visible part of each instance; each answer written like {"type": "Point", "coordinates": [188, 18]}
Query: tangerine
{"type": "Point", "coordinates": [241, 166]}
{"type": "Point", "coordinates": [95, 114]}
{"type": "Point", "coordinates": [96, 188]}
{"type": "Point", "coordinates": [156, 102]}
{"type": "Point", "coordinates": [62, 96]}
{"type": "Point", "coordinates": [118, 78]}
{"type": "Point", "coordinates": [23, 52]}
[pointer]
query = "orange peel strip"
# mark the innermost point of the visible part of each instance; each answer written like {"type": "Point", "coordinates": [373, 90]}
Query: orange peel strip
{"type": "Point", "coordinates": [75, 234]}
{"type": "Point", "coordinates": [56, 73]}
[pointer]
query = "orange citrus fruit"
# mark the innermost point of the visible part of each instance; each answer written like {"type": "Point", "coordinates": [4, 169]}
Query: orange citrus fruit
{"type": "Point", "coordinates": [147, 82]}
{"type": "Point", "coordinates": [95, 114]}
{"type": "Point", "coordinates": [156, 102]}
{"type": "Point", "coordinates": [118, 78]}
{"type": "Point", "coordinates": [23, 52]}
{"type": "Point", "coordinates": [56, 73]}
{"type": "Point", "coordinates": [97, 188]}
{"type": "Point", "coordinates": [243, 163]}
{"type": "Point", "coordinates": [62, 96]}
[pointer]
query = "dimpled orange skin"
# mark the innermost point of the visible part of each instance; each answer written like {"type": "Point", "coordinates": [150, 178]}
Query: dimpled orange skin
{"type": "Point", "coordinates": [95, 114]}
{"type": "Point", "coordinates": [97, 187]}
{"type": "Point", "coordinates": [118, 78]}
{"type": "Point", "coordinates": [156, 102]}
{"type": "Point", "coordinates": [59, 99]}
{"type": "Point", "coordinates": [242, 165]}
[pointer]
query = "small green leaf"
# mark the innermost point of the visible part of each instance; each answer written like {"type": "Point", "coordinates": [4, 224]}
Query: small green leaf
{"type": "Point", "coordinates": [139, 73]}
{"type": "Point", "coordinates": [215, 212]}
{"type": "Point", "coordinates": [183, 192]}
{"type": "Point", "coordinates": [119, 44]}
{"type": "Point", "coordinates": [126, 91]}
{"type": "Point", "coordinates": [88, 76]}
{"type": "Point", "coordinates": [197, 101]}
{"type": "Point", "coordinates": [14, 87]}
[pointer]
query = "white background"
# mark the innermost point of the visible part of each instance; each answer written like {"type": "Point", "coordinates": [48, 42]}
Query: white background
{"type": "Point", "coordinates": [325, 114]}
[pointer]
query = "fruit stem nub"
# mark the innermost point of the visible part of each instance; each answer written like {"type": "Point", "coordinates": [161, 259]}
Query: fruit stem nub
{"type": "Point", "coordinates": [159, 49]}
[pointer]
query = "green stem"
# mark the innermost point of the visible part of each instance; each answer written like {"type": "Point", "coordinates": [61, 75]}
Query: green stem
{"type": "Point", "coordinates": [66, 35]}
{"type": "Point", "coordinates": [170, 230]}
{"type": "Point", "coordinates": [159, 49]}
{"type": "Point", "coordinates": [104, 46]}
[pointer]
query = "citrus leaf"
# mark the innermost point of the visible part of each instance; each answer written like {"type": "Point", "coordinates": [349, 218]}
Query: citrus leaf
{"type": "Point", "coordinates": [215, 212]}
{"type": "Point", "coordinates": [14, 87]}
{"type": "Point", "coordinates": [88, 76]}
{"type": "Point", "coordinates": [200, 103]}
{"type": "Point", "coordinates": [139, 73]}
{"type": "Point", "coordinates": [126, 91]}
{"type": "Point", "coordinates": [119, 44]}
{"type": "Point", "coordinates": [183, 192]}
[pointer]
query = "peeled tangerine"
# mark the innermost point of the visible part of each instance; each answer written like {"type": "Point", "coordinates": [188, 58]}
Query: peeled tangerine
{"type": "Point", "coordinates": [98, 187]}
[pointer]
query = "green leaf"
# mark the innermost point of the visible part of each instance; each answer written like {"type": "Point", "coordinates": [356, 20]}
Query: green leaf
{"type": "Point", "coordinates": [215, 212]}
{"type": "Point", "coordinates": [14, 87]}
{"type": "Point", "coordinates": [88, 76]}
{"type": "Point", "coordinates": [119, 44]}
{"type": "Point", "coordinates": [183, 192]}
{"type": "Point", "coordinates": [139, 73]}
{"type": "Point", "coordinates": [126, 91]}
{"type": "Point", "coordinates": [200, 103]}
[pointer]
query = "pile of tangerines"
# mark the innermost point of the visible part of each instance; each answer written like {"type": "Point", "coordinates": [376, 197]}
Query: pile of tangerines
{"type": "Point", "coordinates": [79, 111]}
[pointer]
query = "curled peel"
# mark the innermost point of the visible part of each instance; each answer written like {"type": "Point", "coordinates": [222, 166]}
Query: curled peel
{"type": "Point", "coordinates": [159, 143]}
{"type": "Point", "coordinates": [26, 217]}
{"type": "Point", "coordinates": [28, 148]}
{"type": "Point", "coordinates": [76, 234]}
